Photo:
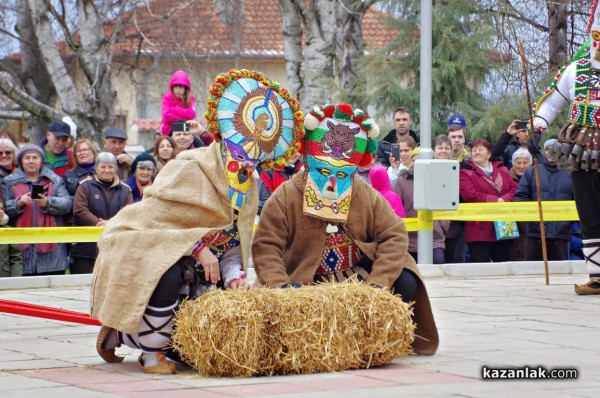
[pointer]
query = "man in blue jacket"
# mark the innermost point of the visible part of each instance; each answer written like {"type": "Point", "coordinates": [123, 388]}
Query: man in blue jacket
{"type": "Point", "coordinates": [555, 184]}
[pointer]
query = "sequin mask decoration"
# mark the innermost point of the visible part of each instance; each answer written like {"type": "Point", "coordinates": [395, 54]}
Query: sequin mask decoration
{"type": "Point", "coordinates": [338, 140]}
{"type": "Point", "coordinates": [257, 121]}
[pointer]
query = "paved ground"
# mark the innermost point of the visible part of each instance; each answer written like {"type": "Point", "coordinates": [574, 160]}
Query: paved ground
{"type": "Point", "coordinates": [502, 321]}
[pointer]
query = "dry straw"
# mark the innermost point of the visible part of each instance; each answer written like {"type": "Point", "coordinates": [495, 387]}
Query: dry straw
{"type": "Point", "coordinates": [322, 328]}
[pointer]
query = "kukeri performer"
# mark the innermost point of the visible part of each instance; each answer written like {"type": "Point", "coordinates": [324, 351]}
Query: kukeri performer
{"type": "Point", "coordinates": [578, 146]}
{"type": "Point", "coordinates": [202, 204]}
{"type": "Point", "coordinates": [327, 224]}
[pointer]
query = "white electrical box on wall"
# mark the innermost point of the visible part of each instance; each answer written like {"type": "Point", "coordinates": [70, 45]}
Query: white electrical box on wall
{"type": "Point", "coordinates": [436, 184]}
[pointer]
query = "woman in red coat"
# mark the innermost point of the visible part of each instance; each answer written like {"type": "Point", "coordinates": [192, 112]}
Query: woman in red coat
{"type": "Point", "coordinates": [485, 181]}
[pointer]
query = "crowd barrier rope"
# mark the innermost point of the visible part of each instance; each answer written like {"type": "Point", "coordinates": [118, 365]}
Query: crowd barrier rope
{"type": "Point", "coordinates": [489, 211]}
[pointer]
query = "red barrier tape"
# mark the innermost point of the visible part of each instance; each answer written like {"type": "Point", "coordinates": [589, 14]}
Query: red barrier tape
{"type": "Point", "coordinates": [40, 311]}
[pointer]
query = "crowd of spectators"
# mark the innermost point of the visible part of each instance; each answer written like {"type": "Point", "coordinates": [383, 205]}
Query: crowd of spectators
{"type": "Point", "coordinates": [500, 172]}
{"type": "Point", "coordinates": [74, 184]}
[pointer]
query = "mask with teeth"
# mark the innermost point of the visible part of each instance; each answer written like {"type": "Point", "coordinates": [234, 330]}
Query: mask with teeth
{"type": "Point", "coordinates": [337, 142]}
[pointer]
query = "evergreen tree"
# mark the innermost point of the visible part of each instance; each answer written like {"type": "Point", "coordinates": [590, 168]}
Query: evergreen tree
{"type": "Point", "coordinates": [461, 59]}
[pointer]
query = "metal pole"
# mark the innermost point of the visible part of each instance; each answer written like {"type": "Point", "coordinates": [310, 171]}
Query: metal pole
{"type": "Point", "coordinates": [425, 245]}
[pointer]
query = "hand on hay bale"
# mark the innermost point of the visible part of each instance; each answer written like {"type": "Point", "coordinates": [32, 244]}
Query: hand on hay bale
{"type": "Point", "coordinates": [322, 328]}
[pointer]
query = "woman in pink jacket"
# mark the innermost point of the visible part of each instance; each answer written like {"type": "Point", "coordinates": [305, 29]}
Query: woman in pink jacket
{"type": "Point", "coordinates": [381, 182]}
{"type": "Point", "coordinates": [482, 180]}
{"type": "Point", "coordinates": [177, 104]}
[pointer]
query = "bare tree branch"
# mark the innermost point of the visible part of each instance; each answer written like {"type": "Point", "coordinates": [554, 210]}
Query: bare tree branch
{"type": "Point", "coordinates": [26, 101]}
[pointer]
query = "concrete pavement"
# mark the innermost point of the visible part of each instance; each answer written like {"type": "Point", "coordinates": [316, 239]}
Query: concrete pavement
{"type": "Point", "coordinates": [511, 319]}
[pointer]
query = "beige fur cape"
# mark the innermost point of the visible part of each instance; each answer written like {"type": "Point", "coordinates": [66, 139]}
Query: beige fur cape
{"type": "Point", "coordinates": [188, 199]}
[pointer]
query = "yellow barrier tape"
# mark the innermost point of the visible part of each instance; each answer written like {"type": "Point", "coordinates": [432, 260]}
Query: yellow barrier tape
{"type": "Point", "coordinates": [412, 224]}
{"type": "Point", "coordinates": [504, 211]}
{"type": "Point", "coordinates": [425, 220]}
{"type": "Point", "coordinates": [50, 235]}
{"type": "Point", "coordinates": [511, 211]}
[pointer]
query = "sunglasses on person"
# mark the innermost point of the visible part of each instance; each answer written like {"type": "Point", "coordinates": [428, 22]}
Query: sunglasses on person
{"type": "Point", "coordinates": [6, 153]}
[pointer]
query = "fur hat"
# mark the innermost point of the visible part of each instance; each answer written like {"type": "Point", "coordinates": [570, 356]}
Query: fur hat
{"type": "Point", "coordinates": [28, 148]}
{"type": "Point", "coordinates": [342, 133]}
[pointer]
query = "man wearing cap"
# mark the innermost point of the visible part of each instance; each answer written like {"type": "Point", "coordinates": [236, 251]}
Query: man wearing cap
{"type": "Point", "coordinates": [400, 133]}
{"type": "Point", "coordinates": [454, 237]}
{"type": "Point", "coordinates": [457, 132]}
{"type": "Point", "coordinates": [115, 140]}
{"type": "Point", "coordinates": [578, 86]}
{"type": "Point", "coordinates": [58, 156]}
{"type": "Point", "coordinates": [503, 149]}
{"type": "Point", "coordinates": [555, 184]}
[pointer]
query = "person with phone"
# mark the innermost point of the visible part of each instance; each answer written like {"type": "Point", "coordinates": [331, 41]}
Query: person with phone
{"type": "Point", "coordinates": [503, 149]}
{"type": "Point", "coordinates": [401, 132]}
{"type": "Point", "coordinates": [396, 151]}
{"type": "Point", "coordinates": [403, 161]}
{"type": "Point", "coordinates": [35, 196]}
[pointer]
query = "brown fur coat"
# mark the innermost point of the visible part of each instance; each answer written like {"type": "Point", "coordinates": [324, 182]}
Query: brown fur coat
{"type": "Point", "coordinates": [287, 245]}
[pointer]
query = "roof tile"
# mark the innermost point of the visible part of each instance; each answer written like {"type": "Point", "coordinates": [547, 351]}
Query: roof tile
{"type": "Point", "coordinates": [197, 30]}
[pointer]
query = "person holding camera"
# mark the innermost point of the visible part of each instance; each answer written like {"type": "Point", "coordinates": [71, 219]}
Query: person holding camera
{"type": "Point", "coordinates": [185, 135]}
{"type": "Point", "coordinates": [503, 149]}
{"type": "Point", "coordinates": [36, 197]}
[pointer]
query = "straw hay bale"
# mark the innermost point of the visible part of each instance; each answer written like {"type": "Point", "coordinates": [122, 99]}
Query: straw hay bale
{"type": "Point", "coordinates": [221, 334]}
{"type": "Point", "coordinates": [322, 328]}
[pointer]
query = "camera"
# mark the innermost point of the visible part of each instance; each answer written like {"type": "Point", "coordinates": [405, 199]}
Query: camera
{"type": "Point", "coordinates": [180, 126]}
{"type": "Point", "coordinates": [522, 125]}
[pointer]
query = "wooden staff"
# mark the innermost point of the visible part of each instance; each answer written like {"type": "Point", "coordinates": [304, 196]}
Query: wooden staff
{"type": "Point", "coordinates": [535, 163]}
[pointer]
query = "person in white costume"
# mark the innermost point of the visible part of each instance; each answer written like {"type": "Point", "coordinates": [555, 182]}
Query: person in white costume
{"type": "Point", "coordinates": [578, 145]}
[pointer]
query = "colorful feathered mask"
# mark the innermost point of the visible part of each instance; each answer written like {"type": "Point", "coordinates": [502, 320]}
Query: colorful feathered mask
{"type": "Point", "coordinates": [257, 121]}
